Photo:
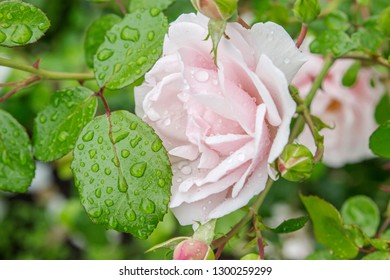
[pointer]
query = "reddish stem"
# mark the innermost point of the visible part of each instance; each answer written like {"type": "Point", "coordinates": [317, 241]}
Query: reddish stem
{"type": "Point", "coordinates": [100, 93]}
{"type": "Point", "coordinates": [302, 35]}
{"type": "Point", "coordinates": [121, 7]}
{"type": "Point", "coordinates": [18, 86]}
{"type": "Point", "coordinates": [243, 23]}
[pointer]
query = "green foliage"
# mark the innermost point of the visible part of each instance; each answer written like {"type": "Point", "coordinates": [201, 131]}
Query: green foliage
{"type": "Point", "coordinates": [337, 20]}
{"type": "Point", "coordinates": [362, 211]}
{"type": "Point", "coordinates": [94, 36]}
{"type": "Point", "coordinates": [328, 227]}
{"type": "Point", "coordinates": [21, 23]}
{"type": "Point", "coordinates": [17, 166]}
{"type": "Point", "coordinates": [336, 42]}
{"type": "Point", "coordinates": [306, 10]}
{"type": "Point", "coordinates": [382, 111]}
{"type": "Point", "coordinates": [350, 76]}
{"type": "Point", "coordinates": [147, 4]}
{"type": "Point", "coordinates": [380, 255]}
{"type": "Point", "coordinates": [291, 225]}
{"type": "Point", "coordinates": [384, 21]}
{"type": "Point", "coordinates": [380, 139]}
{"type": "Point", "coordinates": [296, 163]}
{"type": "Point", "coordinates": [122, 173]}
{"type": "Point", "coordinates": [57, 127]}
{"type": "Point", "coordinates": [130, 48]}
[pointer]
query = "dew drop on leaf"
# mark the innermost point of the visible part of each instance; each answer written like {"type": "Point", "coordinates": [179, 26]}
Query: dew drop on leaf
{"type": "Point", "coordinates": [107, 171]}
{"type": "Point", "coordinates": [125, 153]}
{"type": "Point", "coordinates": [141, 60]}
{"type": "Point", "coordinates": [151, 35]}
{"type": "Point", "coordinates": [109, 202]}
{"type": "Point", "coordinates": [105, 54]}
{"type": "Point", "coordinates": [42, 119]}
{"type": "Point", "coordinates": [98, 192]}
{"type": "Point", "coordinates": [63, 136]}
{"type": "Point", "coordinates": [113, 222]}
{"type": "Point", "coordinates": [130, 215]}
{"type": "Point", "coordinates": [97, 213]}
{"type": "Point", "coordinates": [154, 12]}
{"type": "Point", "coordinates": [156, 145]}
{"type": "Point", "coordinates": [21, 35]}
{"type": "Point", "coordinates": [130, 34]}
{"type": "Point", "coordinates": [109, 190]}
{"type": "Point", "coordinates": [2, 36]}
{"type": "Point", "coordinates": [88, 136]}
{"type": "Point", "coordinates": [92, 153]}
{"type": "Point", "coordinates": [138, 169]}
{"type": "Point", "coordinates": [147, 206]}
{"type": "Point", "coordinates": [95, 167]}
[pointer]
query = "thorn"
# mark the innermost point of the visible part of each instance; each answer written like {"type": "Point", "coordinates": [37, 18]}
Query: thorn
{"type": "Point", "coordinates": [36, 63]}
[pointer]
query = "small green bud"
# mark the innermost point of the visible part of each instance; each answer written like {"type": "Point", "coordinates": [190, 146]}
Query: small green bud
{"type": "Point", "coordinates": [384, 21]}
{"type": "Point", "coordinates": [307, 10]}
{"type": "Point", "coordinates": [216, 9]}
{"type": "Point", "coordinates": [295, 163]}
{"type": "Point", "coordinates": [192, 249]}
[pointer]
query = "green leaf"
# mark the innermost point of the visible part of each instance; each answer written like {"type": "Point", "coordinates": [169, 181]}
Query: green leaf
{"type": "Point", "coordinates": [21, 23]}
{"type": "Point", "coordinates": [17, 167]}
{"type": "Point", "coordinates": [334, 41]}
{"type": "Point", "coordinates": [57, 127]}
{"type": "Point", "coordinates": [291, 225]}
{"type": "Point", "coordinates": [147, 4]}
{"type": "Point", "coordinates": [321, 255]}
{"type": "Point", "coordinates": [380, 139]}
{"type": "Point", "coordinates": [382, 110]}
{"type": "Point", "coordinates": [380, 255]}
{"type": "Point", "coordinates": [122, 173]}
{"type": "Point", "coordinates": [130, 48]}
{"type": "Point", "coordinates": [379, 244]}
{"type": "Point", "coordinates": [384, 21]}
{"type": "Point", "coordinates": [362, 211]}
{"type": "Point", "coordinates": [350, 76]}
{"type": "Point", "coordinates": [328, 227]}
{"type": "Point", "coordinates": [94, 36]}
{"type": "Point", "coordinates": [337, 20]}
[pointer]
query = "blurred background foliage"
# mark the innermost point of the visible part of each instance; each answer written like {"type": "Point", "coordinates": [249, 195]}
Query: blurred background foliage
{"type": "Point", "coordinates": [49, 222]}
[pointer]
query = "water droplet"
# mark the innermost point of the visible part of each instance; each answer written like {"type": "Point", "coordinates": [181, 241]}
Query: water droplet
{"type": "Point", "coordinates": [141, 60]}
{"type": "Point", "coordinates": [88, 136]}
{"type": "Point", "coordinates": [42, 119]}
{"type": "Point", "coordinates": [2, 36]}
{"type": "Point", "coordinates": [117, 67]}
{"type": "Point", "coordinates": [151, 35]}
{"type": "Point", "coordinates": [95, 167]}
{"type": "Point", "coordinates": [134, 142]}
{"type": "Point", "coordinates": [125, 153]}
{"type": "Point", "coordinates": [122, 185]}
{"type": "Point", "coordinates": [136, 192]}
{"type": "Point", "coordinates": [109, 202]}
{"type": "Point", "coordinates": [147, 206]}
{"type": "Point", "coordinates": [54, 117]}
{"type": "Point", "coordinates": [129, 52]}
{"type": "Point", "coordinates": [21, 35]}
{"type": "Point", "coordinates": [70, 104]}
{"type": "Point", "coordinates": [120, 136]}
{"type": "Point", "coordinates": [97, 213]}
{"type": "Point", "coordinates": [91, 200]}
{"type": "Point", "coordinates": [138, 169]}
{"type": "Point", "coordinates": [100, 140]}
{"type": "Point", "coordinates": [154, 12]}
{"type": "Point", "coordinates": [286, 61]}
{"type": "Point", "coordinates": [80, 146]}
{"type": "Point", "coordinates": [130, 34]}
{"type": "Point", "coordinates": [167, 121]}
{"type": "Point", "coordinates": [98, 192]}
{"type": "Point", "coordinates": [186, 170]}
{"type": "Point", "coordinates": [109, 190]}
{"type": "Point", "coordinates": [142, 220]}
{"type": "Point", "coordinates": [202, 76]}
{"type": "Point", "coordinates": [133, 125]}
{"type": "Point", "coordinates": [113, 223]}
{"type": "Point", "coordinates": [161, 182]}
{"type": "Point", "coordinates": [92, 153]}
{"type": "Point", "coordinates": [138, 71]}
{"type": "Point", "coordinates": [241, 157]}
{"type": "Point", "coordinates": [63, 136]}
{"type": "Point", "coordinates": [111, 37]}
{"type": "Point", "coordinates": [43, 26]}
{"type": "Point", "coordinates": [107, 171]}
{"type": "Point", "coordinates": [130, 215]}
{"type": "Point", "coordinates": [270, 36]}
{"type": "Point", "coordinates": [9, 16]}
{"type": "Point", "coordinates": [105, 54]}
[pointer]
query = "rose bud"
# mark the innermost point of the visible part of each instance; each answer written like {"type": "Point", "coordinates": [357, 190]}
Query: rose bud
{"type": "Point", "coordinates": [295, 163]}
{"type": "Point", "coordinates": [192, 249]}
{"type": "Point", "coordinates": [216, 9]}
{"type": "Point", "coordinates": [307, 10]}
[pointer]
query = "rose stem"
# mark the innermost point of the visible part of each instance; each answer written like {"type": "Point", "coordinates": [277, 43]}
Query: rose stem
{"type": "Point", "coordinates": [302, 35]}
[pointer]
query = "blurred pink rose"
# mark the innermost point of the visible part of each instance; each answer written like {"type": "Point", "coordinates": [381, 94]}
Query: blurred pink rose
{"type": "Point", "coordinates": [221, 126]}
{"type": "Point", "coordinates": [350, 110]}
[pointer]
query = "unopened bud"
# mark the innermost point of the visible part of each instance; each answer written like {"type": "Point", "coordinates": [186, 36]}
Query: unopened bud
{"type": "Point", "coordinates": [295, 163]}
{"type": "Point", "coordinates": [307, 10]}
{"type": "Point", "coordinates": [216, 9]}
{"type": "Point", "coordinates": [192, 249]}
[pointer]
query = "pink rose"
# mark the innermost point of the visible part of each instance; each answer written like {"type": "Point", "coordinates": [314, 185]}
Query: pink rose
{"type": "Point", "coordinates": [221, 126]}
{"type": "Point", "coordinates": [350, 110]}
